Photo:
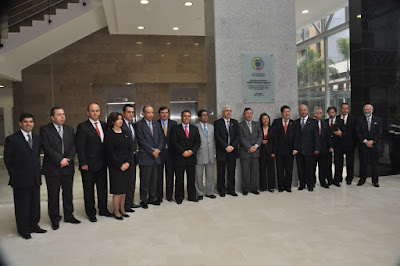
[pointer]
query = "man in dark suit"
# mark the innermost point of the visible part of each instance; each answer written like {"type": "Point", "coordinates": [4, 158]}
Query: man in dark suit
{"type": "Point", "coordinates": [250, 141]}
{"type": "Point", "coordinates": [308, 145]}
{"type": "Point", "coordinates": [285, 131]}
{"type": "Point", "coordinates": [167, 156]}
{"type": "Point", "coordinates": [58, 144]}
{"type": "Point", "coordinates": [151, 141]}
{"type": "Point", "coordinates": [326, 149]}
{"type": "Point", "coordinates": [369, 132]}
{"type": "Point", "coordinates": [22, 160]}
{"type": "Point", "coordinates": [226, 133]}
{"type": "Point", "coordinates": [346, 130]}
{"type": "Point", "coordinates": [335, 140]}
{"type": "Point", "coordinates": [92, 163]}
{"type": "Point", "coordinates": [128, 112]}
{"type": "Point", "coordinates": [185, 140]}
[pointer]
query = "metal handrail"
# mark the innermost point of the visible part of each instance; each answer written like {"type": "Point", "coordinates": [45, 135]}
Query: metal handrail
{"type": "Point", "coordinates": [27, 1]}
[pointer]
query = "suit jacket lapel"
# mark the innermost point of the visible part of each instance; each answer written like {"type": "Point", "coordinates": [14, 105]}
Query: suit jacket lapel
{"type": "Point", "coordinates": [54, 130]}
{"type": "Point", "coordinates": [22, 137]}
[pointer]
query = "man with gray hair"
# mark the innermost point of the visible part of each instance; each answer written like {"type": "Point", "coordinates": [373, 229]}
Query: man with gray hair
{"type": "Point", "coordinates": [369, 132]}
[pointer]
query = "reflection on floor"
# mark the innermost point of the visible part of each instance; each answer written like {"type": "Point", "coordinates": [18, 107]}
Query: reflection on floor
{"type": "Point", "coordinates": [349, 225]}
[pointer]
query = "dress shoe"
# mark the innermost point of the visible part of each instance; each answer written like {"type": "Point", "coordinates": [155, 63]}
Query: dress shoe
{"type": "Point", "coordinates": [144, 205]}
{"type": "Point", "coordinates": [281, 190]}
{"type": "Point", "coordinates": [125, 215]}
{"type": "Point", "coordinates": [222, 195]}
{"type": "Point", "coordinates": [93, 219]}
{"type": "Point", "coordinates": [26, 236]}
{"type": "Point", "coordinates": [271, 190]}
{"type": "Point", "coordinates": [376, 185]}
{"type": "Point", "coordinates": [154, 202]}
{"type": "Point", "coordinates": [200, 197]}
{"type": "Point", "coordinates": [169, 199]}
{"type": "Point", "coordinates": [117, 217]}
{"type": "Point", "coordinates": [179, 201]}
{"type": "Point", "coordinates": [255, 192]}
{"type": "Point", "coordinates": [129, 210]}
{"type": "Point", "coordinates": [134, 206]}
{"type": "Point", "coordinates": [194, 200]}
{"type": "Point", "coordinates": [288, 190]}
{"type": "Point", "coordinates": [325, 186]}
{"type": "Point", "coordinates": [337, 184]}
{"type": "Point", "coordinates": [310, 189]}
{"type": "Point", "coordinates": [38, 230]}
{"type": "Point", "coordinates": [55, 225]}
{"type": "Point", "coordinates": [105, 213]}
{"type": "Point", "coordinates": [72, 220]}
{"type": "Point", "coordinates": [360, 183]}
{"type": "Point", "coordinates": [348, 182]}
{"type": "Point", "coordinates": [212, 196]}
{"type": "Point", "coordinates": [301, 187]}
{"type": "Point", "coordinates": [245, 193]}
{"type": "Point", "coordinates": [232, 193]}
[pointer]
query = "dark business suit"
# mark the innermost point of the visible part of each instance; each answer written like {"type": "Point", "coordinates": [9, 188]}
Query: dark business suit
{"type": "Point", "coordinates": [166, 155]}
{"type": "Point", "coordinates": [23, 166]}
{"type": "Point", "coordinates": [285, 144]}
{"type": "Point", "coordinates": [369, 155]}
{"type": "Point", "coordinates": [324, 158]}
{"type": "Point", "coordinates": [225, 160]}
{"type": "Point", "coordinates": [57, 176]}
{"type": "Point", "coordinates": [147, 163]}
{"type": "Point", "coordinates": [308, 142]}
{"type": "Point", "coordinates": [180, 143]}
{"type": "Point", "coordinates": [129, 200]}
{"type": "Point", "coordinates": [267, 163]}
{"type": "Point", "coordinates": [249, 162]}
{"type": "Point", "coordinates": [335, 141]}
{"type": "Point", "coordinates": [91, 152]}
{"type": "Point", "coordinates": [346, 146]}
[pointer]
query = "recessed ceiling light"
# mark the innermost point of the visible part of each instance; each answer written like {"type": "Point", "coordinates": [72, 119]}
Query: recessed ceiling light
{"type": "Point", "coordinates": [168, 43]}
{"type": "Point", "coordinates": [188, 3]}
{"type": "Point", "coordinates": [359, 16]}
{"type": "Point", "coordinates": [186, 55]}
{"type": "Point", "coordinates": [140, 27]}
{"type": "Point", "coordinates": [138, 54]}
{"type": "Point", "coordinates": [144, 2]}
{"type": "Point", "coordinates": [1, 86]}
{"type": "Point", "coordinates": [196, 44]}
{"type": "Point", "coordinates": [305, 11]}
{"type": "Point", "coordinates": [138, 42]}
{"type": "Point", "coordinates": [175, 28]}
{"type": "Point", "coordinates": [162, 55]}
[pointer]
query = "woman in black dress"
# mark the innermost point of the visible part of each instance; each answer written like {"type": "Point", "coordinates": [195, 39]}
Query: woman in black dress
{"type": "Point", "coordinates": [267, 155]}
{"type": "Point", "coordinates": [119, 154]}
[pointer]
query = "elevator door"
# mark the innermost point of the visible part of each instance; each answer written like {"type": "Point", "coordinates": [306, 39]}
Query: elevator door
{"type": "Point", "coordinates": [183, 99]}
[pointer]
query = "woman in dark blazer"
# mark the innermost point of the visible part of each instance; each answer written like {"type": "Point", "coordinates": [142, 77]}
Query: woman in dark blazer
{"type": "Point", "coordinates": [119, 155]}
{"type": "Point", "coordinates": [267, 155]}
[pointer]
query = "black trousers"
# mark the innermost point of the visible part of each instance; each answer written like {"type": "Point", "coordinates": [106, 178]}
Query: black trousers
{"type": "Point", "coordinates": [267, 172]}
{"type": "Point", "coordinates": [54, 183]}
{"type": "Point", "coordinates": [179, 183]}
{"type": "Point", "coordinates": [370, 157]}
{"type": "Point", "coordinates": [27, 208]}
{"type": "Point", "coordinates": [168, 163]}
{"type": "Point", "coordinates": [89, 180]}
{"type": "Point", "coordinates": [129, 199]}
{"type": "Point", "coordinates": [323, 161]}
{"type": "Point", "coordinates": [148, 182]}
{"type": "Point", "coordinates": [338, 157]}
{"type": "Point", "coordinates": [284, 167]}
{"type": "Point", "coordinates": [306, 170]}
{"type": "Point", "coordinates": [228, 165]}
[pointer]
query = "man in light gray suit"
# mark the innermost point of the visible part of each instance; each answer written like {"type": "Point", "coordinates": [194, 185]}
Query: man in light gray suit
{"type": "Point", "coordinates": [205, 156]}
{"type": "Point", "coordinates": [249, 152]}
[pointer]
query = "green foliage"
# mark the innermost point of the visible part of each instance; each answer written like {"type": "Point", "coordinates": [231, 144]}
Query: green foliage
{"type": "Point", "coordinates": [343, 45]}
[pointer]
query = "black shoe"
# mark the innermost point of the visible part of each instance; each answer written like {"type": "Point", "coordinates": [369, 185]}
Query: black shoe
{"type": "Point", "coordinates": [194, 200]}
{"type": "Point", "coordinates": [325, 186]}
{"type": "Point", "coordinates": [255, 192]}
{"type": "Point", "coordinates": [154, 202]}
{"type": "Point", "coordinates": [129, 210]}
{"type": "Point", "coordinates": [38, 230]}
{"type": "Point", "coordinates": [117, 217]}
{"type": "Point", "coordinates": [72, 220]}
{"type": "Point", "coordinates": [376, 185]}
{"type": "Point", "coordinates": [288, 190]}
{"type": "Point", "coordinates": [212, 196]}
{"type": "Point", "coordinates": [169, 199]}
{"type": "Point", "coordinates": [55, 225]}
{"type": "Point", "coordinates": [134, 206]}
{"type": "Point", "coordinates": [125, 215]}
{"type": "Point", "coordinates": [310, 189]}
{"type": "Point", "coordinates": [360, 183]}
{"type": "Point", "coordinates": [232, 193]}
{"type": "Point", "coordinates": [93, 219]}
{"type": "Point", "coordinates": [200, 197]}
{"type": "Point", "coordinates": [179, 201]}
{"type": "Point", "coordinates": [337, 184]}
{"type": "Point", "coordinates": [348, 182]}
{"type": "Point", "coordinates": [105, 213]}
{"type": "Point", "coordinates": [301, 187]}
{"type": "Point", "coordinates": [144, 205]}
{"type": "Point", "coordinates": [245, 193]}
{"type": "Point", "coordinates": [26, 236]}
{"type": "Point", "coordinates": [281, 190]}
{"type": "Point", "coordinates": [271, 190]}
{"type": "Point", "coordinates": [222, 195]}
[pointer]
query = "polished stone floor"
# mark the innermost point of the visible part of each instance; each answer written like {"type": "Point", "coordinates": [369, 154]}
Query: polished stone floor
{"type": "Point", "coordinates": [349, 225]}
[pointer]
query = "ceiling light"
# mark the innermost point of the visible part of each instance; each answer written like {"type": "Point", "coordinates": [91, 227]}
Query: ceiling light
{"type": "Point", "coordinates": [144, 2]}
{"type": "Point", "coordinates": [1, 86]}
{"type": "Point", "coordinates": [196, 44]}
{"type": "Point", "coordinates": [162, 55]}
{"type": "Point", "coordinates": [168, 43]}
{"type": "Point", "coordinates": [175, 28]}
{"type": "Point", "coordinates": [138, 42]}
{"type": "Point", "coordinates": [359, 16]}
{"type": "Point", "coordinates": [188, 3]}
{"type": "Point", "coordinates": [305, 11]}
{"type": "Point", "coordinates": [186, 55]}
{"type": "Point", "coordinates": [140, 27]}
{"type": "Point", "coordinates": [138, 54]}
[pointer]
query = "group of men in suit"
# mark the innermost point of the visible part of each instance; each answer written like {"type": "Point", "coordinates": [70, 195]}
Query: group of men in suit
{"type": "Point", "coordinates": [166, 147]}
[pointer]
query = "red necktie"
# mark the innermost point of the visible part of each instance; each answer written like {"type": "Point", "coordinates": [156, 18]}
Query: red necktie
{"type": "Point", "coordinates": [97, 129]}
{"type": "Point", "coordinates": [332, 125]}
{"type": "Point", "coordinates": [285, 126]}
{"type": "Point", "coordinates": [186, 131]}
{"type": "Point", "coordinates": [344, 119]}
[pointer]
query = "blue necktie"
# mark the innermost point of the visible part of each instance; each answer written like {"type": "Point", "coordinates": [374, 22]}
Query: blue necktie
{"type": "Point", "coordinates": [205, 129]}
{"type": "Point", "coordinates": [229, 136]}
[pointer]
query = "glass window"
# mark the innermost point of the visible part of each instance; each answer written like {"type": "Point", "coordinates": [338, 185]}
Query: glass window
{"type": "Point", "coordinates": [310, 65]}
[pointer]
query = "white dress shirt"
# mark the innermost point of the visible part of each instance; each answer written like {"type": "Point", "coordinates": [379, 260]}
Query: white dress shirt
{"type": "Point", "coordinates": [99, 127]}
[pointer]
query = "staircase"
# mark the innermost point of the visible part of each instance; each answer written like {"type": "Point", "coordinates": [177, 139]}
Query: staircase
{"type": "Point", "coordinates": [34, 29]}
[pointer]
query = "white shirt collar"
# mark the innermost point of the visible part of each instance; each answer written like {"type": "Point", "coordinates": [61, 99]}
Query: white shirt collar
{"type": "Point", "coordinates": [92, 121]}
{"type": "Point", "coordinates": [306, 118]}
{"type": "Point", "coordinates": [56, 126]}
{"type": "Point", "coordinates": [227, 120]}
{"type": "Point", "coordinates": [26, 133]}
